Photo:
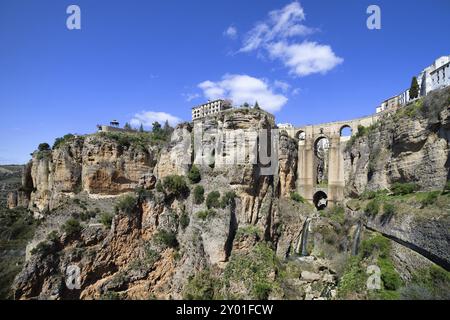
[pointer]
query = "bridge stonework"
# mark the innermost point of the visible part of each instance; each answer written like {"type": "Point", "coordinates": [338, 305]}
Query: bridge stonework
{"type": "Point", "coordinates": [307, 138]}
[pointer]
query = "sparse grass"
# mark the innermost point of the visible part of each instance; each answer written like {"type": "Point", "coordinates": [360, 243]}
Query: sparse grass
{"type": "Point", "coordinates": [297, 198]}
{"type": "Point", "coordinates": [166, 238]}
{"type": "Point", "coordinates": [253, 270]}
{"type": "Point", "coordinates": [126, 204]}
{"type": "Point", "coordinates": [373, 207]}
{"type": "Point", "coordinates": [106, 219]}
{"type": "Point", "coordinates": [429, 199]}
{"type": "Point", "coordinates": [246, 231]}
{"type": "Point", "coordinates": [17, 227]}
{"type": "Point", "coordinates": [206, 214]}
{"type": "Point", "coordinates": [71, 227]}
{"type": "Point", "coordinates": [403, 188]}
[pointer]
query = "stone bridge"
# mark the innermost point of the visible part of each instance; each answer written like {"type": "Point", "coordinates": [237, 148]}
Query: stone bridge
{"type": "Point", "coordinates": [321, 171]}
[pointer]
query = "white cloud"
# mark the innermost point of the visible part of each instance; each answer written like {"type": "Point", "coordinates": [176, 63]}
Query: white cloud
{"type": "Point", "coordinates": [275, 35]}
{"type": "Point", "coordinates": [231, 32]}
{"type": "Point", "coordinates": [191, 96]}
{"type": "Point", "coordinates": [148, 117]}
{"type": "Point", "coordinates": [296, 91]}
{"type": "Point", "coordinates": [284, 86]}
{"type": "Point", "coordinates": [281, 24]}
{"type": "Point", "coordinates": [244, 88]}
{"type": "Point", "coordinates": [305, 58]}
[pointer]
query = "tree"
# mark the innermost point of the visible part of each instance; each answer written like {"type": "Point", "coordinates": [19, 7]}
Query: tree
{"type": "Point", "coordinates": [44, 147]}
{"type": "Point", "coordinates": [156, 127]}
{"type": "Point", "coordinates": [414, 90]}
{"type": "Point", "coordinates": [199, 195]}
{"type": "Point", "coordinates": [141, 128]}
{"type": "Point", "coordinates": [213, 199]}
{"type": "Point", "coordinates": [246, 105]}
{"type": "Point", "coordinates": [127, 126]}
{"type": "Point", "coordinates": [257, 106]}
{"type": "Point", "coordinates": [194, 174]}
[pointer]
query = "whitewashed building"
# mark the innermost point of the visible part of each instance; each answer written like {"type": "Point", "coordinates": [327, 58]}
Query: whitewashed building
{"type": "Point", "coordinates": [436, 76]}
{"type": "Point", "coordinates": [285, 126]}
{"type": "Point", "coordinates": [210, 108]}
{"type": "Point", "coordinates": [440, 77]}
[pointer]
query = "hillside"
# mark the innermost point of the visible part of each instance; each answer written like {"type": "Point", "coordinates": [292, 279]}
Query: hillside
{"type": "Point", "coordinates": [141, 222]}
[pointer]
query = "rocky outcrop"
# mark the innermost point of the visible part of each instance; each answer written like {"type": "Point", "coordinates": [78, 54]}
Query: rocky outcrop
{"type": "Point", "coordinates": [410, 145]}
{"type": "Point", "coordinates": [98, 164]}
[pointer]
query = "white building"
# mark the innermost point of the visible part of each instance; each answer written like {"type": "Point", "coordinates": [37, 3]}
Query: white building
{"type": "Point", "coordinates": [403, 98]}
{"type": "Point", "coordinates": [210, 108]}
{"type": "Point", "coordinates": [440, 77]}
{"type": "Point", "coordinates": [431, 78]}
{"type": "Point", "coordinates": [285, 126]}
{"type": "Point", "coordinates": [437, 71]}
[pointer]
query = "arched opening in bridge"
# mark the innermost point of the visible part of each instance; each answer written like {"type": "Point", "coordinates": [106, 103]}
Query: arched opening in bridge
{"type": "Point", "coordinates": [320, 200]}
{"type": "Point", "coordinates": [321, 148]}
{"type": "Point", "coordinates": [346, 131]}
{"type": "Point", "coordinates": [301, 135]}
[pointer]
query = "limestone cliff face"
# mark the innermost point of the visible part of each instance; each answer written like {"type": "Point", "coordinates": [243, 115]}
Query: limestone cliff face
{"type": "Point", "coordinates": [411, 145]}
{"type": "Point", "coordinates": [95, 164]}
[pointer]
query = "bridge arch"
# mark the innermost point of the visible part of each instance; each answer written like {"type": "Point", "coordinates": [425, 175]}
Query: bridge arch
{"type": "Point", "coordinates": [300, 135]}
{"type": "Point", "coordinates": [346, 131]}
{"type": "Point", "coordinates": [320, 200]}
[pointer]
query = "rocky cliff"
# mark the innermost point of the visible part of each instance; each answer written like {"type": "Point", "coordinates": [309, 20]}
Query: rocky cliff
{"type": "Point", "coordinates": [194, 215]}
{"type": "Point", "coordinates": [409, 145]}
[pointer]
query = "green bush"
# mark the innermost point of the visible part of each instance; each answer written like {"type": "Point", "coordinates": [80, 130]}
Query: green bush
{"type": "Point", "coordinates": [44, 147]}
{"type": "Point", "coordinates": [176, 185]}
{"type": "Point", "coordinates": [373, 207]}
{"type": "Point", "coordinates": [184, 220]}
{"type": "Point", "coordinates": [227, 199]}
{"type": "Point", "coordinates": [159, 186]}
{"type": "Point", "coordinates": [43, 248]}
{"type": "Point", "coordinates": [354, 279]}
{"type": "Point", "coordinates": [72, 227]}
{"type": "Point", "coordinates": [262, 290]}
{"type": "Point", "coordinates": [106, 219]}
{"type": "Point", "coordinates": [429, 199]}
{"type": "Point", "coordinates": [213, 200]}
{"type": "Point", "coordinates": [431, 283]}
{"type": "Point", "coordinates": [297, 198]}
{"type": "Point", "coordinates": [376, 243]}
{"type": "Point", "coordinates": [167, 238]}
{"type": "Point", "coordinates": [390, 277]}
{"type": "Point", "coordinates": [194, 175]}
{"type": "Point", "coordinates": [201, 286]}
{"type": "Point", "coordinates": [399, 189]}
{"type": "Point", "coordinates": [126, 204]}
{"type": "Point", "coordinates": [389, 209]}
{"type": "Point", "coordinates": [253, 270]}
{"type": "Point", "coordinates": [205, 214]}
{"type": "Point", "coordinates": [61, 141]}
{"type": "Point", "coordinates": [199, 194]}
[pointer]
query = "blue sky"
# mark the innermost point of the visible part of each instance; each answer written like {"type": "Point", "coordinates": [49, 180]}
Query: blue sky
{"type": "Point", "coordinates": [308, 62]}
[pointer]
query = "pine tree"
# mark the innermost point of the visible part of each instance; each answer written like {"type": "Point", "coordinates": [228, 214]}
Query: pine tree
{"type": "Point", "coordinates": [127, 126]}
{"type": "Point", "coordinates": [414, 90]}
{"type": "Point", "coordinates": [156, 127]}
{"type": "Point", "coordinates": [141, 128]}
{"type": "Point", "coordinates": [257, 106]}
